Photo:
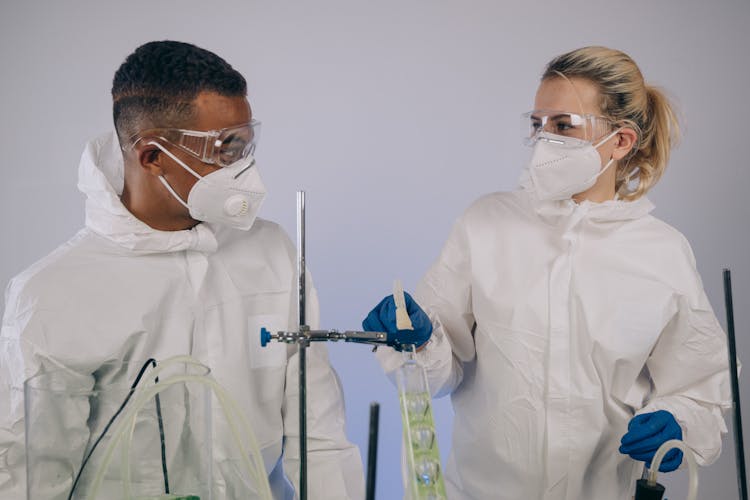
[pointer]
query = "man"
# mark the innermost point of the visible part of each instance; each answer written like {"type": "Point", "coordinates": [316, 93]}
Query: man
{"type": "Point", "coordinates": [173, 261]}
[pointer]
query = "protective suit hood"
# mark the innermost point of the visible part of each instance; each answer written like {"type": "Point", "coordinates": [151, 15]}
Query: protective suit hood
{"type": "Point", "coordinates": [101, 179]}
{"type": "Point", "coordinates": [604, 212]}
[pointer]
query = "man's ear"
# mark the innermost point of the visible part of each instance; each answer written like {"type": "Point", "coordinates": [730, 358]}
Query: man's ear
{"type": "Point", "coordinates": [150, 158]}
{"type": "Point", "coordinates": [627, 139]}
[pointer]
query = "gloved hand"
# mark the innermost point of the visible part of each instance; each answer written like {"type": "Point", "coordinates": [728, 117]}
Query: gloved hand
{"type": "Point", "coordinates": [648, 431]}
{"type": "Point", "coordinates": [383, 319]}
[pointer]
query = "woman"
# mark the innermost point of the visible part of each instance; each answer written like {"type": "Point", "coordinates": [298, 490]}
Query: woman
{"type": "Point", "coordinates": [562, 310]}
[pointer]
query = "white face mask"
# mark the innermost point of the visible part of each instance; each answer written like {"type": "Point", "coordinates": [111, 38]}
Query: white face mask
{"type": "Point", "coordinates": [559, 169]}
{"type": "Point", "coordinates": [230, 196]}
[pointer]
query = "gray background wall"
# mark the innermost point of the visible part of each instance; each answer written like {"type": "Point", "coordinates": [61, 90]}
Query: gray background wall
{"type": "Point", "coordinates": [393, 116]}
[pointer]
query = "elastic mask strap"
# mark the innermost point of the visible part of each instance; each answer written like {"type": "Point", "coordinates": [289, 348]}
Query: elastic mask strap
{"type": "Point", "coordinates": [626, 181]}
{"type": "Point", "coordinates": [611, 160]}
{"type": "Point", "coordinates": [607, 138]}
{"type": "Point", "coordinates": [630, 175]}
{"type": "Point", "coordinates": [179, 162]}
{"type": "Point", "coordinates": [169, 188]}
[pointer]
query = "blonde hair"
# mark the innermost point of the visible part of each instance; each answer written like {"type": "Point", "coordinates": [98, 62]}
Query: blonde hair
{"type": "Point", "coordinates": [629, 102]}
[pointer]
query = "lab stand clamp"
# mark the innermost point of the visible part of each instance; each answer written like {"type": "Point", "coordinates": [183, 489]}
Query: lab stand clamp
{"type": "Point", "coordinates": [425, 472]}
{"type": "Point", "coordinates": [306, 335]}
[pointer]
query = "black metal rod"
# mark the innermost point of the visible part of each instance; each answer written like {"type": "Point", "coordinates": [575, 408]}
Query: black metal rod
{"type": "Point", "coordinates": [372, 451]}
{"type": "Point", "coordinates": [302, 422]}
{"type": "Point", "coordinates": [302, 346]}
{"type": "Point", "coordinates": [739, 447]}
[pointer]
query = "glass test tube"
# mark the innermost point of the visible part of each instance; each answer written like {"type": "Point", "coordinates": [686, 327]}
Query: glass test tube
{"type": "Point", "coordinates": [423, 456]}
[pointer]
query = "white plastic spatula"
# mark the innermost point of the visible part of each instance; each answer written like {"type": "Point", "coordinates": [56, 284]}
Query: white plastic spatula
{"type": "Point", "coordinates": [403, 322]}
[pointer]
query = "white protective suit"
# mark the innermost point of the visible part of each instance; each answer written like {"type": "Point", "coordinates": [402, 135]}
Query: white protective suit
{"type": "Point", "coordinates": [554, 323]}
{"type": "Point", "coordinates": [121, 290]}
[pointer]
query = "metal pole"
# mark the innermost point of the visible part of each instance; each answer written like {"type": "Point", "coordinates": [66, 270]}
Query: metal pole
{"type": "Point", "coordinates": [739, 447]}
{"type": "Point", "coordinates": [302, 346]}
{"type": "Point", "coordinates": [372, 451]}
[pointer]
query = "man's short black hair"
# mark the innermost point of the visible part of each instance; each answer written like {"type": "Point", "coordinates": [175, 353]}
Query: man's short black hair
{"type": "Point", "coordinates": [157, 84]}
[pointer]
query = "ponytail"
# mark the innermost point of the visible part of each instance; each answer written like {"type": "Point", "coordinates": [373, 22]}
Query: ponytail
{"type": "Point", "coordinates": [659, 133]}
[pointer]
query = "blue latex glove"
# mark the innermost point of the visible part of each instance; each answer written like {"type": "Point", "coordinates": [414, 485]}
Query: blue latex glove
{"type": "Point", "coordinates": [383, 319]}
{"type": "Point", "coordinates": [648, 431]}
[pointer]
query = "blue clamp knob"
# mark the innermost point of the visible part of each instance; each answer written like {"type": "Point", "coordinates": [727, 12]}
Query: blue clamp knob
{"type": "Point", "coordinates": [265, 336]}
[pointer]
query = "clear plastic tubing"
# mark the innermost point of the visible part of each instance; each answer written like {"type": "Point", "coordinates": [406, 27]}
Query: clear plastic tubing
{"type": "Point", "coordinates": [231, 410]}
{"type": "Point", "coordinates": [692, 466]}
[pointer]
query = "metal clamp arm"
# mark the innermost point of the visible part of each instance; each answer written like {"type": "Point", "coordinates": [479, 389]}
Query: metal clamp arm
{"type": "Point", "coordinates": [306, 335]}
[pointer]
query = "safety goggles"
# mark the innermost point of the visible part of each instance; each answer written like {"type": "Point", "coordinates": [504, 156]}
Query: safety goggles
{"type": "Point", "coordinates": [577, 128]}
{"type": "Point", "coordinates": [220, 147]}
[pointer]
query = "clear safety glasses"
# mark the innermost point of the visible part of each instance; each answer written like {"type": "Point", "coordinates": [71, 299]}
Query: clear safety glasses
{"type": "Point", "coordinates": [220, 147]}
{"type": "Point", "coordinates": [578, 128]}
